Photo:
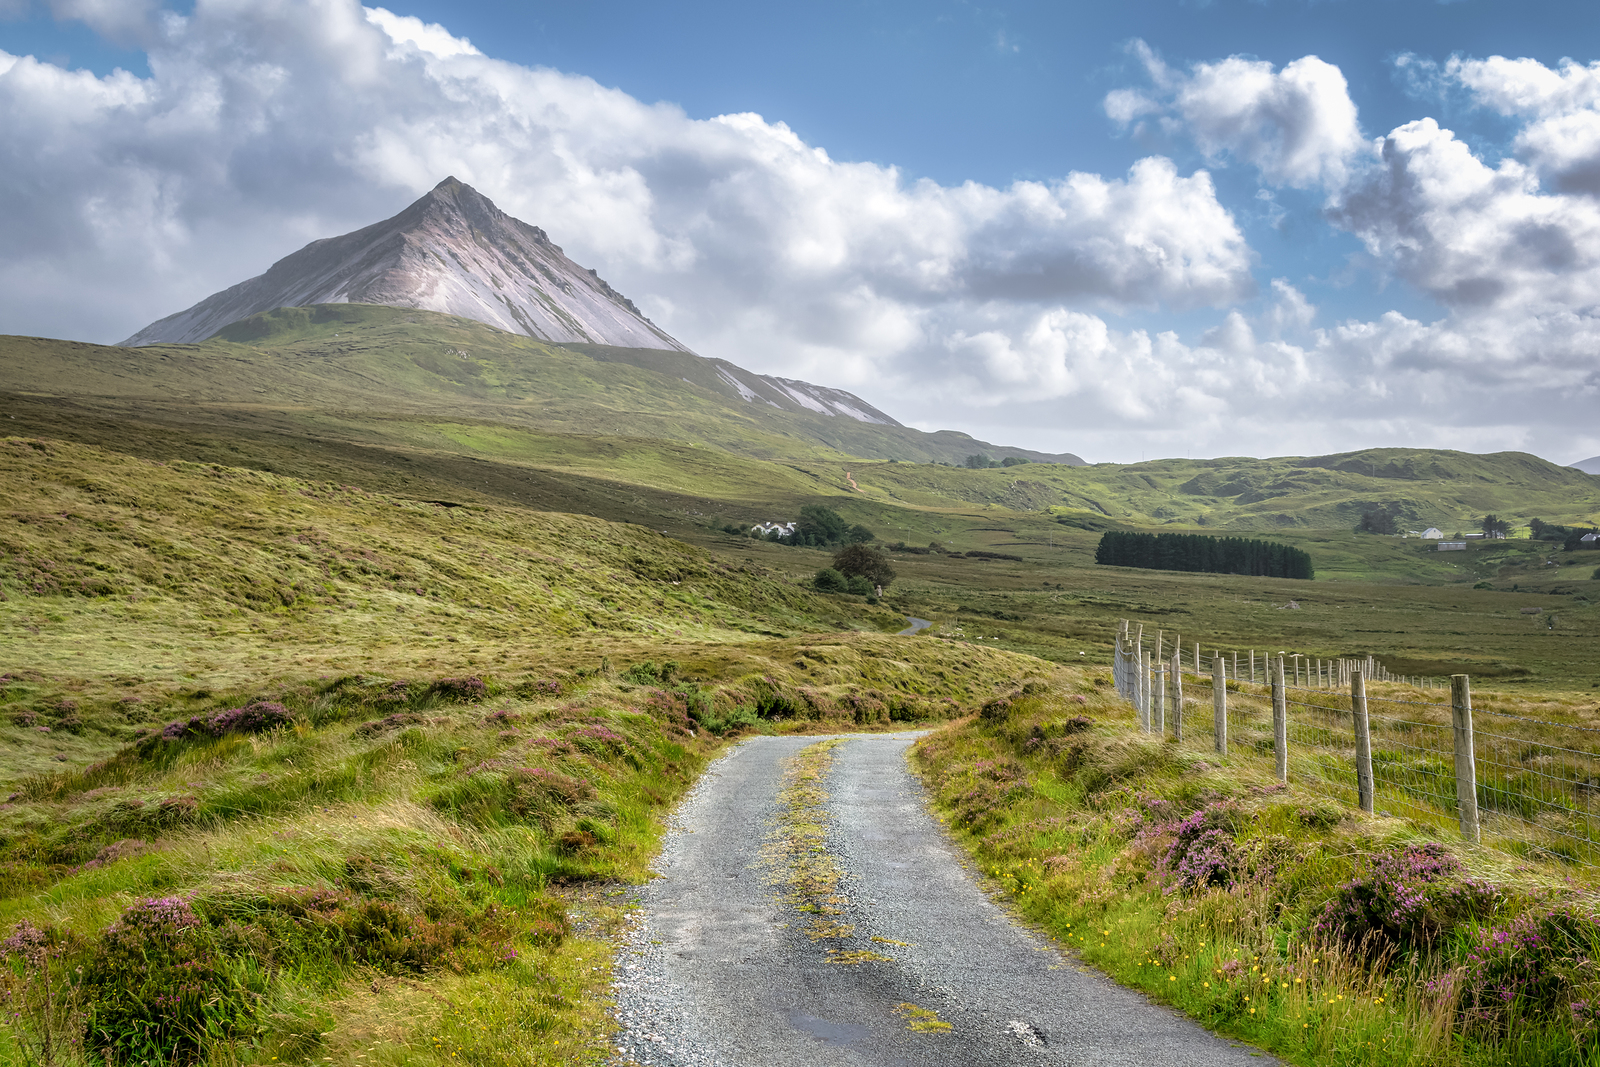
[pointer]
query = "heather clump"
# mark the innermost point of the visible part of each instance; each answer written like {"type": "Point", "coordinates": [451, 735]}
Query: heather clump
{"type": "Point", "coordinates": [1403, 901]}
{"type": "Point", "coordinates": [597, 739]}
{"type": "Point", "coordinates": [41, 1002]}
{"type": "Point", "coordinates": [998, 709]}
{"type": "Point", "coordinates": [990, 788]}
{"type": "Point", "coordinates": [1191, 852]}
{"type": "Point", "coordinates": [256, 717]}
{"type": "Point", "coordinates": [159, 989]}
{"type": "Point", "coordinates": [1540, 969]}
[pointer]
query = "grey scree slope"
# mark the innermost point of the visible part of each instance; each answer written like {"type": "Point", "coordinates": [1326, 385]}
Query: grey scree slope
{"type": "Point", "coordinates": [453, 252]}
{"type": "Point", "coordinates": [720, 973]}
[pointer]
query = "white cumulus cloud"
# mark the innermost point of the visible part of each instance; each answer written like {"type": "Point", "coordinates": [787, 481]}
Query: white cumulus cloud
{"type": "Point", "coordinates": [264, 125]}
{"type": "Point", "coordinates": [1561, 107]}
{"type": "Point", "coordinates": [430, 37]}
{"type": "Point", "coordinates": [1297, 125]}
{"type": "Point", "coordinates": [1025, 311]}
{"type": "Point", "coordinates": [1470, 235]}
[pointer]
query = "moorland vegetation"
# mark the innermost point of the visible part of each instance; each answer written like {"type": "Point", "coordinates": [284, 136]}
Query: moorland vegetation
{"type": "Point", "coordinates": [1273, 912]}
{"type": "Point", "coordinates": [355, 658]}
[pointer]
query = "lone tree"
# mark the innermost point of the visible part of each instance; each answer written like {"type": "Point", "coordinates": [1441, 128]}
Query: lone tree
{"type": "Point", "coordinates": [858, 534]}
{"type": "Point", "coordinates": [863, 561]}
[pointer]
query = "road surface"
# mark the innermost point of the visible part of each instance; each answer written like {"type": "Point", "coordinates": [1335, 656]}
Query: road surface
{"type": "Point", "coordinates": [721, 970]}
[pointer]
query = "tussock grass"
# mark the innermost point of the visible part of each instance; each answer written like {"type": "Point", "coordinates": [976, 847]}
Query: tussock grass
{"type": "Point", "coordinates": [416, 840]}
{"type": "Point", "coordinates": [363, 812]}
{"type": "Point", "coordinates": [1207, 885]}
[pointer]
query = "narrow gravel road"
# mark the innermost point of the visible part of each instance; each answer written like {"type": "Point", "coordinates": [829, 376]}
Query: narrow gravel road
{"type": "Point", "coordinates": [721, 972]}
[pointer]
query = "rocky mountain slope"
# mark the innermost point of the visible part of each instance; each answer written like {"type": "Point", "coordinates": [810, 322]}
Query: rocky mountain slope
{"type": "Point", "coordinates": [455, 252]}
{"type": "Point", "coordinates": [452, 251]}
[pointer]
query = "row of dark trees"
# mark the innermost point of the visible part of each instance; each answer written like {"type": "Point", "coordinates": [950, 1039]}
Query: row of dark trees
{"type": "Point", "coordinates": [1197, 552]}
{"type": "Point", "coordinates": [1571, 537]}
{"type": "Point", "coordinates": [983, 462]}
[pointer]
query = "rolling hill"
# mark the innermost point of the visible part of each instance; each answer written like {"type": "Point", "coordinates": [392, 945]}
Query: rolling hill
{"type": "Point", "coordinates": [370, 358]}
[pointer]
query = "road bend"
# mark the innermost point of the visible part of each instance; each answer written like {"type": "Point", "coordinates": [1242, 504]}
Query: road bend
{"type": "Point", "coordinates": [721, 969]}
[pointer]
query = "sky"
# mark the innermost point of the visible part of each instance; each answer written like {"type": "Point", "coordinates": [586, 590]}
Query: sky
{"type": "Point", "coordinates": [1132, 230]}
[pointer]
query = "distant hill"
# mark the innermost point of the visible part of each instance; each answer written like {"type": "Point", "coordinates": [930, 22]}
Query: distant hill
{"type": "Point", "coordinates": [1588, 466]}
{"type": "Point", "coordinates": [1420, 487]}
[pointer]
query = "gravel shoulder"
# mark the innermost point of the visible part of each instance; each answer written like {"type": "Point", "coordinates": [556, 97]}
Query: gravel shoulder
{"type": "Point", "coordinates": [720, 970]}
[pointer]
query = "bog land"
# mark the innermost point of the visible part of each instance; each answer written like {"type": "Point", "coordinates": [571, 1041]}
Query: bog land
{"type": "Point", "coordinates": [356, 661]}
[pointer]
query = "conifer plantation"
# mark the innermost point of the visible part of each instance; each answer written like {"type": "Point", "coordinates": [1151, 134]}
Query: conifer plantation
{"type": "Point", "coordinates": [1209, 555]}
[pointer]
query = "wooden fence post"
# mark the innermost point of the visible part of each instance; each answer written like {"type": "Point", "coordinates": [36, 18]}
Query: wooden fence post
{"type": "Point", "coordinates": [1177, 693]}
{"type": "Point", "coordinates": [1252, 666]}
{"type": "Point", "coordinates": [1116, 662]}
{"type": "Point", "coordinates": [1219, 705]}
{"type": "Point", "coordinates": [1158, 714]}
{"type": "Point", "coordinates": [1142, 698]}
{"type": "Point", "coordinates": [1236, 666]}
{"type": "Point", "coordinates": [1141, 695]}
{"type": "Point", "coordinates": [1280, 719]}
{"type": "Point", "coordinates": [1358, 707]}
{"type": "Point", "coordinates": [1466, 762]}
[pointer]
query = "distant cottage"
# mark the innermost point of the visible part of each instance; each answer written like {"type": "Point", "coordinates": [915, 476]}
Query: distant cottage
{"type": "Point", "coordinates": [1433, 533]}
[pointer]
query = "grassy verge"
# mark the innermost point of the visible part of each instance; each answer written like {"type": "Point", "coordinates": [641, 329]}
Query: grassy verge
{"type": "Point", "coordinates": [370, 874]}
{"type": "Point", "coordinates": [1269, 913]}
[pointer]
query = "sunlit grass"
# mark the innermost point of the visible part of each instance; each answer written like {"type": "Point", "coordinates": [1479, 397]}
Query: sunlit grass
{"type": "Point", "coordinates": [1047, 824]}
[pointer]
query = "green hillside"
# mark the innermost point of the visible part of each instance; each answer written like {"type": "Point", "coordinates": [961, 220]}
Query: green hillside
{"type": "Point", "coordinates": [399, 379]}
{"type": "Point", "coordinates": [363, 398]}
{"type": "Point", "coordinates": [1421, 487]}
{"type": "Point", "coordinates": [360, 357]}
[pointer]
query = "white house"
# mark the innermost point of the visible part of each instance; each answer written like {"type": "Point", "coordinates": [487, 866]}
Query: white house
{"type": "Point", "coordinates": [1590, 539]}
{"type": "Point", "coordinates": [1432, 533]}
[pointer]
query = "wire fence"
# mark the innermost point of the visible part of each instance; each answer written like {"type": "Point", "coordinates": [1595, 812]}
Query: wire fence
{"type": "Point", "coordinates": [1376, 739]}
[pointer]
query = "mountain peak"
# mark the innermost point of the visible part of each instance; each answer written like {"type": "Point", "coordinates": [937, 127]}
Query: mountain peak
{"type": "Point", "coordinates": [451, 251]}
